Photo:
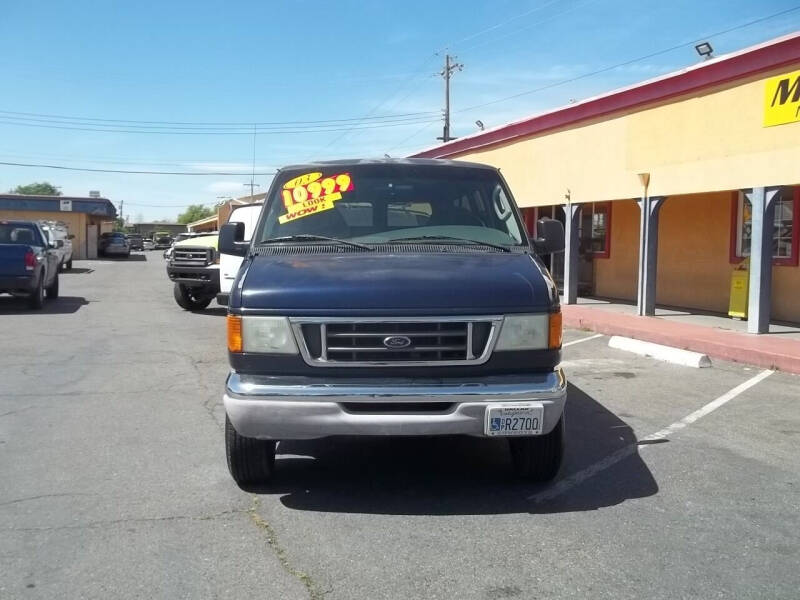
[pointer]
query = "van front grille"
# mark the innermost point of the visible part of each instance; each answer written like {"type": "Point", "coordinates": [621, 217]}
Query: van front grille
{"type": "Point", "coordinates": [401, 342]}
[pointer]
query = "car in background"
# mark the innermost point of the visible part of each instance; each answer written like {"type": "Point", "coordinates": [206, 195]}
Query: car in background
{"type": "Point", "coordinates": [161, 241]}
{"type": "Point", "coordinates": [28, 262]}
{"type": "Point", "coordinates": [113, 244]}
{"type": "Point", "coordinates": [136, 241]}
{"type": "Point", "coordinates": [57, 231]}
{"type": "Point", "coordinates": [228, 263]}
{"type": "Point", "coordinates": [148, 244]}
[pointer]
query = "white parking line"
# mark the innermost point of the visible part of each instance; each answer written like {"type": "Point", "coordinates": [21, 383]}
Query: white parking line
{"type": "Point", "coordinates": [609, 461]}
{"type": "Point", "coordinates": [586, 339]}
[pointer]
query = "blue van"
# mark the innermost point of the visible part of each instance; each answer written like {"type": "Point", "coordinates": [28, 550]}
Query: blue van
{"type": "Point", "coordinates": [393, 298]}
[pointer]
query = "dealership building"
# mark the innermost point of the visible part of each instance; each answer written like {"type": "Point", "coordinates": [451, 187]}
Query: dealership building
{"type": "Point", "coordinates": [668, 186]}
{"type": "Point", "coordinates": [84, 218]}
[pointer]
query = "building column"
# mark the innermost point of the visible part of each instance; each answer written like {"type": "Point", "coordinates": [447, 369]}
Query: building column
{"type": "Point", "coordinates": [648, 254]}
{"type": "Point", "coordinates": [571, 243]}
{"type": "Point", "coordinates": [762, 203]}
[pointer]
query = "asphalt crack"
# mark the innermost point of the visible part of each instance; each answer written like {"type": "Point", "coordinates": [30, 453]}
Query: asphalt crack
{"type": "Point", "coordinates": [98, 524]}
{"type": "Point", "coordinates": [282, 555]}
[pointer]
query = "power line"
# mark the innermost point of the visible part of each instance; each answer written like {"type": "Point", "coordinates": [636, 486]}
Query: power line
{"type": "Point", "coordinates": [377, 107]}
{"type": "Point", "coordinates": [628, 62]}
{"type": "Point", "coordinates": [220, 124]}
{"type": "Point", "coordinates": [221, 164]}
{"type": "Point", "coordinates": [237, 128]}
{"type": "Point", "coordinates": [128, 172]}
{"type": "Point", "coordinates": [502, 24]}
{"type": "Point", "coordinates": [410, 137]}
{"type": "Point", "coordinates": [494, 40]}
{"type": "Point", "coordinates": [5, 121]}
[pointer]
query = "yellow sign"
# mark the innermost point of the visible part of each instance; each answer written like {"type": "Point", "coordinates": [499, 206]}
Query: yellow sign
{"type": "Point", "coordinates": [782, 99]}
{"type": "Point", "coordinates": [307, 195]}
{"type": "Point", "coordinates": [302, 180]}
{"type": "Point", "coordinates": [740, 289]}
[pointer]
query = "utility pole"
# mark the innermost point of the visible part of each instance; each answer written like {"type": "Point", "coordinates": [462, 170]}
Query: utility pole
{"type": "Point", "coordinates": [447, 72]}
{"type": "Point", "coordinates": [121, 218]}
{"type": "Point", "coordinates": [253, 173]}
{"type": "Point", "coordinates": [252, 185]}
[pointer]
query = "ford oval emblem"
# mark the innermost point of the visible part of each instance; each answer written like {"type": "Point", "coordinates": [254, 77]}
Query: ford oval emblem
{"type": "Point", "coordinates": [396, 342]}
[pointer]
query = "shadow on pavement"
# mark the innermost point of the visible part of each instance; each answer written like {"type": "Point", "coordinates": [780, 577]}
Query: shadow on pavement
{"type": "Point", "coordinates": [77, 271]}
{"type": "Point", "coordinates": [131, 258]}
{"type": "Point", "coordinates": [213, 311]}
{"type": "Point", "coordinates": [457, 475]}
{"type": "Point", "coordinates": [63, 305]}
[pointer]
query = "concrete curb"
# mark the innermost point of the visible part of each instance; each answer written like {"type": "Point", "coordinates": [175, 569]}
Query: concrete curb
{"type": "Point", "coordinates": [762, 351]}
{"type": "Point", "coordinates": [687, 358]}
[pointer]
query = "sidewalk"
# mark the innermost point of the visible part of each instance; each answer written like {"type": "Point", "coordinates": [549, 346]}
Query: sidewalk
{"type": "Point", "coordinates": [715, 335]}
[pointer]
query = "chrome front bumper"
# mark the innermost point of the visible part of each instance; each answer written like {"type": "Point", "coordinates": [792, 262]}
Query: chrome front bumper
{"type": "Point", "coordinates": [284, 408]}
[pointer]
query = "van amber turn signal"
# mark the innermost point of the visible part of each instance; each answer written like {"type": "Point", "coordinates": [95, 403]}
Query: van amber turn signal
{"type": "Point", "coordinates": [234, 333]}
{"type": "Point", "coordinates": [556, 330]}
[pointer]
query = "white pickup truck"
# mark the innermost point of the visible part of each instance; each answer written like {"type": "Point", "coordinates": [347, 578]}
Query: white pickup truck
{"type": "Point", "coordinates": [228, 263]}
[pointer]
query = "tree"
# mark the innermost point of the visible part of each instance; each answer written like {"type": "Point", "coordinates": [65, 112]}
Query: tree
{"type": "Point", "coordinates": [39, 189]}
{"type": "Point", "coordinates": [194, 212]}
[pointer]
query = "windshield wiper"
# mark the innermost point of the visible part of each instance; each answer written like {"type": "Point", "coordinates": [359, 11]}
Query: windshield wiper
{"type": "Point", "coordinates": [310, 237]}
{"type": "Point", "coordinates": [449, 238]}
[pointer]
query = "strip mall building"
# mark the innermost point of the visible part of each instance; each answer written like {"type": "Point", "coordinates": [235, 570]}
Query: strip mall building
{"type": "Point", "coordinates": [667, 186]}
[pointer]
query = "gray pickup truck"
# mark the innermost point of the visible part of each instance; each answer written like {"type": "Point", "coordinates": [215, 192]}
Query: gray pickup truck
{"type": "Point", "coordinates": [28, 262]}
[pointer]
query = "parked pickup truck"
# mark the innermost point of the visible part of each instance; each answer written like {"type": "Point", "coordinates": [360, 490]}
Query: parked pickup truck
{"type": "Point", "coordinates": [28, 262]}
{"type": "Point", "coordinates": [194, 268]}
{"type": "Point", "coordinates": [393, 298]}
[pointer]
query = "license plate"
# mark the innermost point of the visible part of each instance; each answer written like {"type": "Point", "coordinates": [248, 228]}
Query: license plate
{"type": "Point", "coordinates": [514, 419]}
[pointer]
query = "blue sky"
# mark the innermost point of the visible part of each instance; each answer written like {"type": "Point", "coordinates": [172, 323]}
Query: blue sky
{"type": "Point", "coordinates": [296, 60]}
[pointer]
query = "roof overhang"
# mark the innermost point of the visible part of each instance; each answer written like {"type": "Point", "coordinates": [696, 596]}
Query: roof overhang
{"type": "Point", "coordinates": [712, 73]}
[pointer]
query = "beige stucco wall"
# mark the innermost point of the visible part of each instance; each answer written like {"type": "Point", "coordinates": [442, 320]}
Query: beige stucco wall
{"type": "Point", "coordinates": [711, 141]}
{"type": "Point", "coordinates": [694, 268]}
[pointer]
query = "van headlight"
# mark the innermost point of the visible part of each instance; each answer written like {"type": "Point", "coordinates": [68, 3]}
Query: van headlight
{"type": "Point", "coordinates": [267, 335]}
{"type": "Point", "coordinates": [530, 332]}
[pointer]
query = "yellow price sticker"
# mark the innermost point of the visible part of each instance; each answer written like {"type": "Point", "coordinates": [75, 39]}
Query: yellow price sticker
{"type": "Point", "coordinates": [310, 194]}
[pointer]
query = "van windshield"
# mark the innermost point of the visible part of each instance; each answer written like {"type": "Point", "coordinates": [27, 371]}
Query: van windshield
{"type": "Point", "coordinates": [385, 203]}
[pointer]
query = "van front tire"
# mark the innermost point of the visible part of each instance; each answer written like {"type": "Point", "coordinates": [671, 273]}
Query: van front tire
{"type": "Point", "coordinates": [250, 461]}
{"type": "Point", "coordinates": [538, 458]}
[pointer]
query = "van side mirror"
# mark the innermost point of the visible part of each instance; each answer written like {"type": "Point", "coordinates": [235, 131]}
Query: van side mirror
{"type": "Point", "coordinates": [59, 243]}
{"type": "Point", "coordinates": [71, 236]}
{"type": "Point", "coordinates": [550, 238]}
{"type": "Point", "coordinates": [231, 240]}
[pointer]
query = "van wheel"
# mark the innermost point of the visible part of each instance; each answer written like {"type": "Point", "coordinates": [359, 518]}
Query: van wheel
{"type": "Point", "coordinates": [190, 298]}
{"type": "Point", "coordinates": [52, 291]}
{"type": "Point", "coordinates": [538, 458]}
{"type": "Point", "coordinates": [69, 265]}
{"type": "Point", "coordinates": [36, 299]}
{"type": "Point", "coordinates": [250, 461]}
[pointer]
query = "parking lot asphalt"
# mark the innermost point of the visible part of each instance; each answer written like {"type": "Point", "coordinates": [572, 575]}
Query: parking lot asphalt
{"type": "Point", "coordinates": [677, 482]}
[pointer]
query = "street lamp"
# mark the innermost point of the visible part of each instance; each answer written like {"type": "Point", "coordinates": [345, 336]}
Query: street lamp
{"type": "Point", "coordinates": [704, 49]}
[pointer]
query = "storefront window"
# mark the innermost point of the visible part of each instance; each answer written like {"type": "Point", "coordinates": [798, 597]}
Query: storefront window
{"type": "Point", "coordinates": [595, 228]}
{"type": "Point", "coordinates": [784, 235]}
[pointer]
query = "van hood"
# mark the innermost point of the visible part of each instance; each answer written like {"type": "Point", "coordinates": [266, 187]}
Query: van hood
{"type": "Point", "coordinates": [424, 283]}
